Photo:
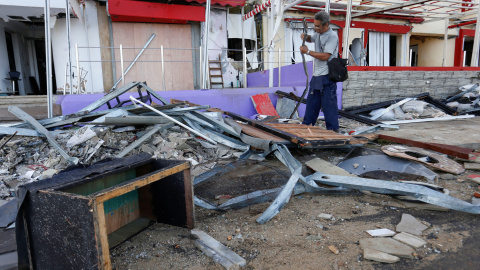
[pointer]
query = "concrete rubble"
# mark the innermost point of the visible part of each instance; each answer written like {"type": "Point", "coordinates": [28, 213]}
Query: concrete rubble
{"type": "Point", "coordinates": [410, 224]}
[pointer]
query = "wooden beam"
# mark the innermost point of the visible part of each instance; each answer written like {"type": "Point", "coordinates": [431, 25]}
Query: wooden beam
{"type": "Point", "coordinates": [391, 7]}
{"type": "Point", "coordinates": [123, 188]}
{"type": "Point", "coordinates": [102, 231]}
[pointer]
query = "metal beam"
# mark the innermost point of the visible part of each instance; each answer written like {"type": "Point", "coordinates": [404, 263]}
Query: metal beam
{"type": "Point", "coordinates": [134, 60]}
{"type": "Point", "coordinates": [391, 7]}
{"type": "Point", "coordinates": [419, 192]}
{"type": "Point", "coordinates": [434, 19]}
{"type": "Point", "coordinates": [134, 100]}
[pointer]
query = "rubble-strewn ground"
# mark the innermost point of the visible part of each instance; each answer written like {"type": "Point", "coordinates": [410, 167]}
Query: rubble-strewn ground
{"type": "Point", "coordinates": [295, 238]}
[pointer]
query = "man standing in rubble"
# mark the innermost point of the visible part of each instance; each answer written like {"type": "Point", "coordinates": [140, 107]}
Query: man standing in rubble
{"type": "Point", "coordinates": [323, 92]}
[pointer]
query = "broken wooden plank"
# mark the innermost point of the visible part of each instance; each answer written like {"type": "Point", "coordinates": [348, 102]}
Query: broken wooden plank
{"type": "Point", "coordinates": [320, 165]}
{"type": "Point", "coordinates": [441, 148]}
{"type": "Point", "coordinates": [258, 133]}
{"type": "Point", "coordinates": [425, 157]}
{"type": "Point", "coordinates": [435, 119]}
{"type": "Point", "coordinates": [263, 104]}
{"type": "Point", "coordinates": [472, 166]}
{"type": "Point", "coordinates": [325, 141]}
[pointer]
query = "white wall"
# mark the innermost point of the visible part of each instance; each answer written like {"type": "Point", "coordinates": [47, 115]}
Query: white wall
{"type": "Point", "coordinates": [5, 86]}
{"type": "Point", "coordinates": [217, 40]}
{"type": "Point", "coordinates": [78, 35]}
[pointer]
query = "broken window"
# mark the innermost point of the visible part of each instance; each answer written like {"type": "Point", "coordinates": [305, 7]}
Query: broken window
{"type": "Point", "coordinates": [234, 35]}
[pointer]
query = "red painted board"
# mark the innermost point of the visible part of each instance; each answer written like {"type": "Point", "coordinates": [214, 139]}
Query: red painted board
{"type": "Point", "coordinates": [263, 105]}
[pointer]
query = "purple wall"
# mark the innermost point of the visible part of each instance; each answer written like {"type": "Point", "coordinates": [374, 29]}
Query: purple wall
{"type": "Point", "coordinates": [236, 100]}
{"type": "Point", "coordinates": [291, 75]}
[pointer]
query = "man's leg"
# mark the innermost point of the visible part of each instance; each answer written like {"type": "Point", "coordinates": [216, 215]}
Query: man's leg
{"type": "Point", "coordinates": [313, 107]}
{"type": "Point", "coordinates": [329, 106]}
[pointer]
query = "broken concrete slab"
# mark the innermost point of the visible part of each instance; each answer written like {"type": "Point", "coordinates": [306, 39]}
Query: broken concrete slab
{"type": "Point", "coordinates": [378, 256]}
{"type": "Point", "coordinates": [410, 224]}
{"type": "Point", "coordinates": [320, 165]}
{"type": "Point", "coordinates": [381, 232]}
{"type": "Point", "coordinates": [387, 245]}
{"type": "Point", "coordinates": [410, 239]}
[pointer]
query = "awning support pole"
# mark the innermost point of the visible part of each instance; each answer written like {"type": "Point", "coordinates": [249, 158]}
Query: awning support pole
{"type": "Point", "coordinates": [445, 43]}
{"type": "Point", "coordinates": [244, 51]}
{"type": "Point", "coordinates": [48, 55]}
{"type": "Point", "coordinates": [270, 45]}
{"type": "Point", "coordinates": [346, 31]}
{"type": "Point", "coordinates": [205, 44]}
{"type": "Point", "coordinates": [67, 17]}
{"type": "Point", "coordinates": [475, 49]}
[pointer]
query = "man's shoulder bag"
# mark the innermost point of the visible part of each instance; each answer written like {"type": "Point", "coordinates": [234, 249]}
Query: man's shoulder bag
{"type": "Point", "coordinates": [337, 69]}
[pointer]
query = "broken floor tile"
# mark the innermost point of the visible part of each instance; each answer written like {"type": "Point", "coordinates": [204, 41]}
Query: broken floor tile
{"type": "Point", "coordinates": [378, 256]}
{"type": "Point", "coordinates": [381, 232]}
{"type": "Point", "coordinates": [387, 245]}
{"type": "Point", "coordinates": [411, 225]}
{"type": "Point", "coordinates": [410, 239]}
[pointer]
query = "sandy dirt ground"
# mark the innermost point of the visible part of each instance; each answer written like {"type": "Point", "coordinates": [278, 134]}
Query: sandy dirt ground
{"type": "Point", "coordinates": [297, 239]}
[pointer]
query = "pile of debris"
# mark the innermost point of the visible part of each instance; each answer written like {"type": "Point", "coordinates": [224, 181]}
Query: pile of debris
{"type": "Point", "coordinates": [467, 100]}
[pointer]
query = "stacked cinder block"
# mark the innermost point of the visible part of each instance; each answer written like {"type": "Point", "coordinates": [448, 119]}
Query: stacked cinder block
{"type": "Point", "coordinates": [365, 87]}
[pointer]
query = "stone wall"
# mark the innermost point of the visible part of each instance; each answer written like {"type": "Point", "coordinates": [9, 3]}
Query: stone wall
{"type": "Point", "coordinates": [366, 87]}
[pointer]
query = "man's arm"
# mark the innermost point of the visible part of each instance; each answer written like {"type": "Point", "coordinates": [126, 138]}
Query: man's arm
{"type": "Point", "coordinates": [318, 55]}
{"type": "Point", "coordinates": [309, 38]}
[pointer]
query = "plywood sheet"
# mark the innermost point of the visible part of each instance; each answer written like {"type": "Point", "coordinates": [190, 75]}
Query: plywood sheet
{"type": "Point", "coordinates": [263, 104]}
{"type": "Point", "coordinates": [178, 61]}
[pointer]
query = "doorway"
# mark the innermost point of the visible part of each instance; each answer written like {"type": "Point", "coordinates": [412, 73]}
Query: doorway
{"type": "Point", "coordinates": [414, 55]}
{"type": "Point", "coordinates": [10, 51]}
{"type": "Point", "coordinates": [42, 68]}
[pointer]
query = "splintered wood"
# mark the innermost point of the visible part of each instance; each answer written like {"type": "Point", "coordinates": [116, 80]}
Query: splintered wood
{"type": "Point", "coordinates": [312, 136]}
{"type": "Point", "coordinates": [257, 133]}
